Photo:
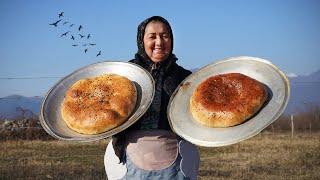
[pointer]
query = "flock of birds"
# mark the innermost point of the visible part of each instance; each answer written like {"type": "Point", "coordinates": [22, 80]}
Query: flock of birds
{"type": "Point", "coordinates": [79, 33]}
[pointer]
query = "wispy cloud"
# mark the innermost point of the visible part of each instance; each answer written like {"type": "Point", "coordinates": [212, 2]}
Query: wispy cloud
{"type": "Point", "coordinates": [292, 75]}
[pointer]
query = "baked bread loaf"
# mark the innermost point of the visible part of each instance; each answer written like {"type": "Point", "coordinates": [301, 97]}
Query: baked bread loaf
{"type": "Point", "coordinates": [95, 105]}
{"type": "Point", "coordinates": [227, 100]}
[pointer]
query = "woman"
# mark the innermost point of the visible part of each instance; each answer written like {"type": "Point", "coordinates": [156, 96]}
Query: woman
{"type": "Point", "coordinates": [149, 149]}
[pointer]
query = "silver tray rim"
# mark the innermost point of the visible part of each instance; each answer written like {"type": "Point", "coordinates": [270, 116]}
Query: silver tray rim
{"type": "Point", "coordinates": [198, 142]}
{"type": "Point", "coordinates": [101, 135]}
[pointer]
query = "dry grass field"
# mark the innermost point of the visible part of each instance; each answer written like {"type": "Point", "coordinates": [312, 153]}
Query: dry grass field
{"type": "Point", "coordinates": [265, 156]}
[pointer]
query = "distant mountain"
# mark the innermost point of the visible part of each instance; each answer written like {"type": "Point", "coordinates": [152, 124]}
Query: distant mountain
{"type": "Point", "coordinates": [19, 107]}
{"type": "Point", "coordinates": [313, 77]}
{"type": "Point", "coordinates": [194, 70]}
{"type": "Point", "coordinates": [305, 91]}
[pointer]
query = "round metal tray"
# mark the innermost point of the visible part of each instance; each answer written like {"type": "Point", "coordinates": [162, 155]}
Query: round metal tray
{"type": "Point", "coordinates": [182, 122]}
{"type": "Point", "coordinates": [50, 115]}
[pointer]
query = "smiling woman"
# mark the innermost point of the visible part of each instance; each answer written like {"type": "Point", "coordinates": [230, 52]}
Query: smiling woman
{"type": "Point", "coordinates": [157, 42]}
{"type": "Point", "coordinates": [149, 149]}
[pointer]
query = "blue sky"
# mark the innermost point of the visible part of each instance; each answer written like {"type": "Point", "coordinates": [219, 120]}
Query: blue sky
{"type": "Point", "coordinates": [286, 32]}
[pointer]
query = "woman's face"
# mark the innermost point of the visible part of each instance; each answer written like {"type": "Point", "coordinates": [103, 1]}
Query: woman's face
{"type": "Point", "coordinates": [157, 41]}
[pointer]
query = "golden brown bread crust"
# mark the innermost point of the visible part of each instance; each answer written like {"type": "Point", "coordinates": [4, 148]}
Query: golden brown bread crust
{"type": "Point", "coordinates": [227, 99]}
{"type": "Point", "coordinates": [96, 105]}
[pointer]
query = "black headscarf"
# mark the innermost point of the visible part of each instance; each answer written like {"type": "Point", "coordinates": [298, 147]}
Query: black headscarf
{"type": "Point", "coordinates": [140, 35]}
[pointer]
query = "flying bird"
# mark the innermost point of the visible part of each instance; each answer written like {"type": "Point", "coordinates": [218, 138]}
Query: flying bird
{"type": "Point", "coordinates": [71, 25]}
{"type": "Point", "coordinates": [98, 54]}
{"type": "Point", "coordinates": [88, 36]}
{"type": "Point", "coordinates": [66, 22]}
{"type": "Point", "coordinates": [92, 44]}
{"type": "Point", "coordinates": [86, 50]}
{"type": "Point", "coordinates": [61, 14]}
{"type": "Point", "coordinates": [65, 34]}
{"type": "Point", "coordinates": [72, 37]}
{"type": "Point", "coordinates": [55, 24]}
{"type": "Point", "coordinates": [74, 45]}
{"type": "Point", "coordinates": [80, 27]}
{"type": "Point", "coordinates": [81, 35]}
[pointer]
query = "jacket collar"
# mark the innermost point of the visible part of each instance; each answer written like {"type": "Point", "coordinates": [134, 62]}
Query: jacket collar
{"type": "Point", "coordinates": [148, 64]}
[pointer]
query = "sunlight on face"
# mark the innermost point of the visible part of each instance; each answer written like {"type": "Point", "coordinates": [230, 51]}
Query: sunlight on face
{"type": "Point", "coordinates": [157, 41]}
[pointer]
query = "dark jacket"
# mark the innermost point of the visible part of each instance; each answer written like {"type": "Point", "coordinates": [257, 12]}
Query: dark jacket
{"type": "Point", "coordinates": [173, 75]}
